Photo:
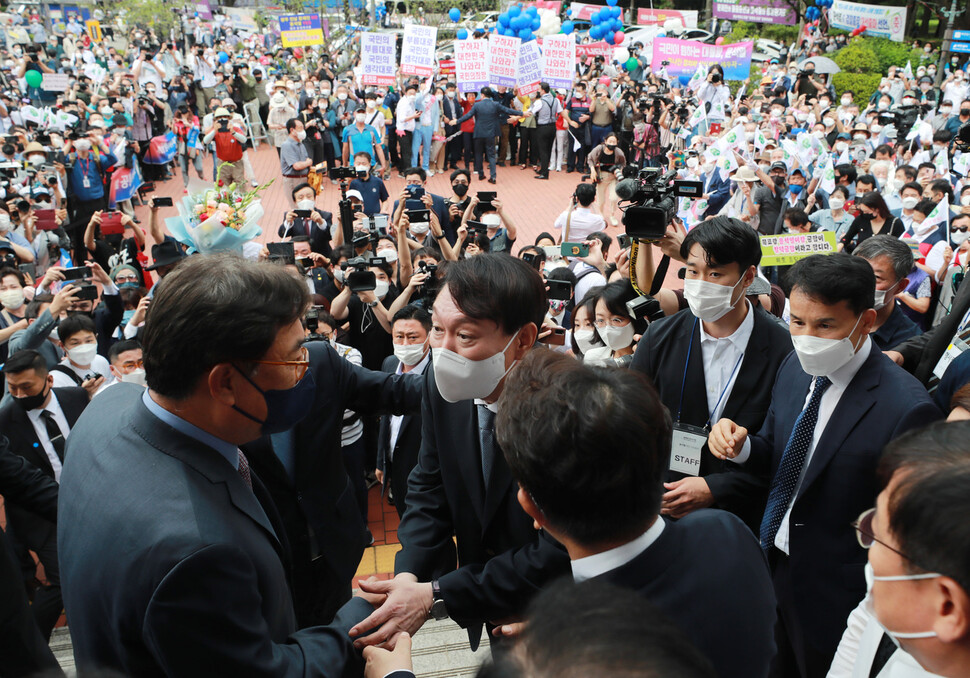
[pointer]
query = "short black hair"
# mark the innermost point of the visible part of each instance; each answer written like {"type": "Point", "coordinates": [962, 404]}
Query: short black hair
{"type": "Point", "coordinates": [562, 273]}
{"type": "Point", "coordinates": [120, 347]}
{"type": "Point", "coordinates": [603, 238]}
{"type": "Point", "coordinates": [908, 171]}
{"type": "Point", "coordinates": [500, 288]}
{"type": "Point", "coordinates": [867, 179]}
{"type": "Point", "coordinates": [848, 171]}
{"type": "Point", "coordinates": [585, 194]}
{"type": "Point", "coordinates": [929, 504]}
{"type": "Point", "coordinates": [925, 206]}
{"type": "Point", "coordinates": [10, 270]}
{"type": "Point", "coordinates": [724, 241]}
{"type": "Point", "coordinates": [547, 435]}
{"type": "Point", "coordinates": [291, 124]}
{"type": "Point", "coordinates": [595, 628]}
{"type": "Point", "coordinates": [911, 185]}
{"type": "Point", "coordinates": [943, 186]}
{"type": "Point", "coordinates": [885, 149]}
{"type": "Point", "coordinates": [615, 295]}
{"type": "Point", "coordinates": [34, 307]}
{"type": "Point", "coordinates": [539, 253]}
{"type": "Point", "coordinates": [73, 324]}
{"type": "Point", "coordinates": [796, 216]}
{"type": "Point", "coordinates": [411, 171]}
{"type": "Point", "coordinates": [833, 278]}
{"type": "Point", "coordinates": [413, 312]}
{"type": "Point", "coordinates": [215, 309]}
{"type": "Point", "coordinates": [544, 235]}
{"type": "Point", "coordinates": [27, 359]}
{"type": "Point", "coordinates": [300, 187]}
{"type": "Point", "coordinates": [458, 173]}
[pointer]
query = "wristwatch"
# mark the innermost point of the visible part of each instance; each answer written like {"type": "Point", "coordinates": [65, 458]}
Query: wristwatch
{"type": "Point", "coordinates": [372, 304]}
{"type": "Point", "coordinates": [438, 609]}
{"type": "Point", "coordinates": [439, 237]}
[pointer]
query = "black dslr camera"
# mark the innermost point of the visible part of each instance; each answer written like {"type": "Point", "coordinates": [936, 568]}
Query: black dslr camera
{"type": "Point", "coordinates": [358, 275]}
{"type": "Point", "coordinates": [654, 201]}
{"type": "Point", "coordinates": [343, 173]}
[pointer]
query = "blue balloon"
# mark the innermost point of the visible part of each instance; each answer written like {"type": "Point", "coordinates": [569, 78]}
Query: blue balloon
{"type": "Point", "coordinates": [617, 25]}
{"type": "Point", "coordinates": [535, 24]}
{"type": "Point", "coordinates": [617, 12]}
{"type": "Point", "coordinates": [596, 32]}
{"type": "Point", "coordinates": [503, 20]}
{"type": "Point", "coordinates": [532, 10]}
{"type": "Point", "coordinates": [515, 10]}
{"type": "Point", "coordinates": [525, 33]}
{"type": "Point", "coordinates": [462, 34]}
{"type": "Point", "coordinates": [454, 14]}
{"type": "Point", "coordinates": [684, 79]}
{"type": "Point", "coordinates": [611, 3]}
{"type": "Point", "coordinates": [223, 57]}
{"type": "Point", "coordinates": [569, 12]}
{"type": "Point", "coordinates": [568, 27]}
{"type": "Point", "coordinates": [609, 38]}
{"type": "Point", "coordinates": [524, 22]}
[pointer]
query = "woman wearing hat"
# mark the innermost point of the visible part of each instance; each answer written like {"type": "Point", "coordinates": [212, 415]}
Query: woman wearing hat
{"type": "Point", "coordinates": [741, 205]}
{"type": "Point", "coordinates": [280, 111]}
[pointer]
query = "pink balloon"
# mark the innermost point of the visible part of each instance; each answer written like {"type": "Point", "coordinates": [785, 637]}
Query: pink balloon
{"type": "Point", "coordinates": [719, 41]}
{"type": "Point", "coordinates": [619, 37]}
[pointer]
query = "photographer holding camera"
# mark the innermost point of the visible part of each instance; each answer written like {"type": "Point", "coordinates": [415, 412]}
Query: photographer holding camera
{"type": "Point", "coordinates": [715, 92]}
{"type": "Point", "coordinates": [295, 162]}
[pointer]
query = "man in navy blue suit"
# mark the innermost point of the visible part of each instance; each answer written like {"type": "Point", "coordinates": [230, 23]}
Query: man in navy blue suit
{"type": "Point", "coordinates": [836, 403]}
{"type": "Point", "coordinates": [717, 190]}
{"type": "Point", "coordinates": [489, 116]}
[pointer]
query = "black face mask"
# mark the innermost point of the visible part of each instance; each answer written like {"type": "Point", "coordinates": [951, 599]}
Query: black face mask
{"type": "Point", "coordinates": [611, 147]}
{"type": "Point", "coordinates": [780, 182]}
{"type": "Point", "coordinates": [460, 189]}
{"type": "Point", "coordinates": [32, 402]}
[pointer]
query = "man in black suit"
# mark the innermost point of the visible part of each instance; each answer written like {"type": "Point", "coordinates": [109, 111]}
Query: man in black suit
{"type": "Point", "coordinates": [836, 403]}
{"type": "Point", "coordinates": [716, 359]}
{"type": "Point", "coordinates": [23, 648]}
{"type": "Point", "coordinates": [591, 474]}
{"type": "Point", "coordinates": [399, 438]}
{"type": "Point", "coordinates": [451, 110]}
{"type": "Point", "coordinates": [304, 471]}
{"type": "Point", "coordinates": [38, 420]}
{"type": "Point", "coordinates": [316, 227]}
{"type": "Point", "coordinates": [489, 116]}
{"type": "Point", "coordinates": [486, 318]}
{"type": "Point", "coordinates": [174, 559]}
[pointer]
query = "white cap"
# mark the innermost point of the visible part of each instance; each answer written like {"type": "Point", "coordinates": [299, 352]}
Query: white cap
{"type": "Point", "coordinates": [354, 193]}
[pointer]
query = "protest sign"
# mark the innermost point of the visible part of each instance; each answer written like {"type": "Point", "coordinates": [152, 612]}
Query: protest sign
{"type": "Point", "coordinates": [503, 59]}
{"type": "Point", "coordinates": [446, 67]}
{"type": "Point", "coordinates": [686, 55]}
{"type": "Point", "coordinates": [93, 27]}
{"type": "Point", "coordinates": [784, 250]}
{"type": "Point", "coordinates": [658, 17]}
{"type": "Point", "coordinates": [583, 11]}
{"type": "Point", "coordinates": [759, 11]}
{"type": "Point", "coordinates": [417, 51]}
{"type": "Point", "coordinates": [300, 30]}
{"type": "Point", "coordinates": [471, 65]}
{"type": "Point", "coordinates": [55, 82]}
{"type": "Point", "coordinates": [882, 21]}
{"type": "Point", "coordinates": [559, 60]}
{"type": "Point", "coordinates": [377, 52]}
{"type": "Point", "coordinates": [203, 9]}
{"type": "Point", "coordinates": [594, 49]}
{"type": "Point", "coordinates": [529, 69]}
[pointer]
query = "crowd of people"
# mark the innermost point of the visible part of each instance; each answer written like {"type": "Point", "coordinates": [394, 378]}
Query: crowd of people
{"type": "Point", "coordinates": [739, 470]}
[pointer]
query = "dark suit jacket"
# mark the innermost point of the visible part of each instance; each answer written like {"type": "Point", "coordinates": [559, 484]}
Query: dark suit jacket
{"type": "Point", "coordinates": [171, 565]}
{"type": "Point", "coordinates": [720, 192]}
{"type": "Point", "coordinates": [662, 355]}
{"type": "Point", "coordinates": [30, 528]}
{"type": "Point", "coordinates": [703, 595]}
{"type": "Point", "coordinates": [923, 352]}
{"type": "Point", "coordinates": [447, 499]}
{"type": "Point", "coordinates": [405, 448]}
{"type": "Point", "coordinates": [489, 117]}
{"type": "Point", "coordinates": [880, 403]}
{"type": "Point", "coordinates": [319, 511]}
{"type": "Point", "coordinates": [319, 237]}
{"type": "Point", "coordinates": [107, 316]}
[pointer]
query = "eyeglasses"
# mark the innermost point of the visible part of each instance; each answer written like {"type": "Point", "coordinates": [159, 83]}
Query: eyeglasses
{"type": "Point", "coordinates": [300, 366]}
{"type": "Point", "coordinates": [126, 278]}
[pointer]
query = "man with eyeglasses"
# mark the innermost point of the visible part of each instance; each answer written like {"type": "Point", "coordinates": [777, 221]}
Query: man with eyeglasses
{"type": "Point", "coordinates": [913, 619]}
{"type": "Point", "coordinates": [125, 358]}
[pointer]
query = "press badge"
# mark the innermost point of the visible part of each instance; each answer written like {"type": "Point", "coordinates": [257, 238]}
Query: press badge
{"type": "Point", "coordinates": [952, 352]}
{"type": "Point", "coordinates": [85, 181]}
{"type": "Point", "coordinates": [686, 448]}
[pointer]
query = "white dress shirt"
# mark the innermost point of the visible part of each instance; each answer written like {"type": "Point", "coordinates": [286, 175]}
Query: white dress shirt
{"type": "Point", "coordinates": [607, 561]}
{"type": "Point", "coordinates": [582, 222]}
{"type": "Point", "coordinates": [721, 362]}
{"type": "Point", "coordinates": [841, 379]}
{"type": "Point", "coordinates": [397, 419]}
{"type": "Point", "coordinates": [40, 428]}
{"type": "Point", "coordinates": [405, 109]}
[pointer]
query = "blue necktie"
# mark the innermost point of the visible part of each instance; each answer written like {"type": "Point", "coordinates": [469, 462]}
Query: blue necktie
{"type": "Point", "coordinates": [785, 480]}
{"type": "Point", "coordinates": [486, 437]}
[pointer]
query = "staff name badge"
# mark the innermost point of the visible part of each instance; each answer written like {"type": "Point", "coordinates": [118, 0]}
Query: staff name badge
{"type": "Point", "coordinates": [686, 449]}
{"type": "Point", "coordinates": [952, 352]}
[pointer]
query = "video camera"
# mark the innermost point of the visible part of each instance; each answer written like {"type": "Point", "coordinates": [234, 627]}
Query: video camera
{"type": "Point", "coordinates": [961, 141]}
{"type": "Point", "coordinates": [312, 319]}
{"type": "Point", "coordinates": [358, 275]}
{"type": "Point", "coordinates": [343, 173]}
{"type": "Point", "coordinates": [902, 119]}
{"type": "Point", "coordinates": [654, 200]}
{"type": "Point", "coordinates": [429, 288]}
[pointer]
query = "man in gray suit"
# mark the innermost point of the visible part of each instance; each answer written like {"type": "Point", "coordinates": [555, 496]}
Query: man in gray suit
{"type": "Point", "coordinates": [175, 559]}
{"type": "Point", "coordinates": [489, 115]}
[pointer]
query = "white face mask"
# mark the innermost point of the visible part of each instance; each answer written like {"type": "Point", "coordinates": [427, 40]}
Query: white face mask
{"type": "Point", "coordinates": [301, 135]}
{"type": "Point", "coordinates": [828, 122]}
{"type": "Point", "coordinates": [691, 163]}
{"type": "Point", "coordinates": [359, 117]}
{"type": "Point", "coordinates": [419, 228]}
{"type": "Point", "coordinates": [841, 146]}
{"type": "Point", "coordinates": [381, 290]}
{"type": "Point", "coordinates": [880, 299]}
{"type": "Point", "coordinates": [12, 299]}
{"type": "Point", "coordinates": [83, 354]}
{"type": "Point", "coordinates": [616, 337]}
{"type": "Point", "coordinates": [81, 145]}
{"type": "Point", "coordinates": [910, 202]}
{"type": "Point", "coordinates": [341, 96]}
{"type": "Point", "coordinates": [870, 608]}
{"type": "Point", "coordinates": [836, 203]}
{"type": "Point", "coordinates": [957, 237]}
{"type": "Point", "coordinates": [846, 101]}
{"type": "Point", "coordinates": [39, 159]}
{"type": "Point", "coordinates": [586, 340]}
{"type": "Point", "coordinates": [371, 103]}
{"type": "Point", "coordinates": [459, 378]}
{"type": "Point", "coordinates": [136, 376]}
{"type": "Point", "coordinates": [965, 200]}
{"type": "Point", "coordinates": [820, 356]}
{"type": "Point", "coordinates": [338, 275]}
{"type": "Point", "coordinates": [409, 354]}
{"type": "Point", "coordinates": [305, 204]}
{"type": "Point", "coordinates": [709, 301]}
{"type": "Point", "coordinates": [389, 255]}
{"type": "Point", "coordinates": [361, 169]}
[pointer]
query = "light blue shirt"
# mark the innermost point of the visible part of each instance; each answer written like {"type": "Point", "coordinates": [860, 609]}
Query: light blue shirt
{"type": "Point", "coordinates": [226, 449]}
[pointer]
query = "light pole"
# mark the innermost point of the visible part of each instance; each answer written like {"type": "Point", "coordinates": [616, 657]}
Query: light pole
{"type": "Point", "coordinates": [951, 16]}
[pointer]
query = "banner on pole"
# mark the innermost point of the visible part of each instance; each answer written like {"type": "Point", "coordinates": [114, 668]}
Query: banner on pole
{"type": "Point", "coordinates": [503, 59]}
{"type": "Point", "coordinates": [758, 11]}
{"type": "Point", "coordinates": [686, 55]}
{"type": "Point", "coordinates": [300, 30]}
{"type": "Point", "coordinates": [559, 60]}
{"type": "Point", "coordinates": [417, 51]}
{"type": "Point", "coordinates": [881, 21]}
{"type": "Point", "coordinates": [530, 68]}
{"type": "Point", "coordinates": [377, 52]}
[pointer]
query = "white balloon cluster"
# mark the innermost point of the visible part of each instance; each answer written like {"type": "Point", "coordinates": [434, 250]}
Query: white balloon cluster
{"type": "Point", "coordinates": [549, 23]}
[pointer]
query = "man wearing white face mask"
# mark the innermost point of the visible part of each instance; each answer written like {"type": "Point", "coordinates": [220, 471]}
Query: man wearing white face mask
{"type": "Point", "coordinates": [125, 358]}
{"type": "Point", "coordinates": [895, 632]}
{"type": "Point", "coordinates": [315, 226]}
{"type": "Point", "coordinates": [82, 366]}
{"type": "Point", "coordinates": [461, 491]}
{"type": "Point", "coordinates": [891, 260]}
{"type": "Point", "coordinates": [836, 403]}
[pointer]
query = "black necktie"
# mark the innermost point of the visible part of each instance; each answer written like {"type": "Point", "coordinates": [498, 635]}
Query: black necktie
{"type": "Point", "coordinates": [54, 433]}
{"type": "Point", "coordinates": [885, 650]}
{"type": "Point", "coordinates": [486, 437]}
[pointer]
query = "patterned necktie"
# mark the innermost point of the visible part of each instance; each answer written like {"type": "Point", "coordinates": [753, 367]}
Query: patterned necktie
{"type": "Point", "coordinates": [54, 433]}
{"type": "Point", "coordinates": [783, 484]}
{"type": "Point", "coordinates": [486, 438]}
{"type": "Point", "coordinates": [244, 469]}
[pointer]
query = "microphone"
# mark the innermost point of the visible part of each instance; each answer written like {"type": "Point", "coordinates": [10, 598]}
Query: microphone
{"type": "Point", "coordinates": [626, 188]}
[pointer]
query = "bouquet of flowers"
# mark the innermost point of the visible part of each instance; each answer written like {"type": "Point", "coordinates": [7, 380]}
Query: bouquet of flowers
{"type": "Point", "coordinates": [216, 219]}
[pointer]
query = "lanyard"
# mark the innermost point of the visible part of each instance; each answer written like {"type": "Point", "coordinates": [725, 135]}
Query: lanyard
{"type": "Point", "coordinates": [85, 165]}
{"type": "Point", "coordinates": [683, 382]}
